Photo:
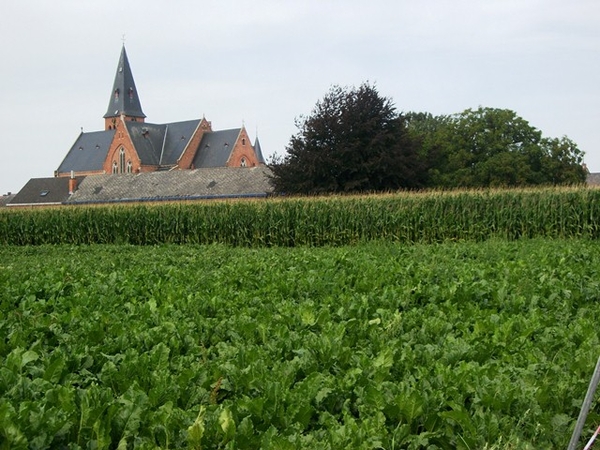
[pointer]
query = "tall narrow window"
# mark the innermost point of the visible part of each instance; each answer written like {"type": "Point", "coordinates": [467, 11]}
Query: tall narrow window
{"type": "Point", "coordinates": [114, 167]}
{"type": "Point", "coordinates": [243, 162]}
{"type": "Point", "coordinates": [122, 160]}
{"type": "Point", "coordinates": [129, 167]}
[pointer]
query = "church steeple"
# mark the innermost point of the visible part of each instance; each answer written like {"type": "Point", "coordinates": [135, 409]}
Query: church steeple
{"type": "Point", "coordinates": [124, 100]}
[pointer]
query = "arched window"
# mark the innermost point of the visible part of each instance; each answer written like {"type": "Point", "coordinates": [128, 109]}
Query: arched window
{"type": "Point", "coordinates": [122, 160]}
{"type": "Point", "coordinates": [114, 167]}
{"type": "Point", "coordinates": [129, 167]}
{"type": "Point", "coordinates": [243, 162]}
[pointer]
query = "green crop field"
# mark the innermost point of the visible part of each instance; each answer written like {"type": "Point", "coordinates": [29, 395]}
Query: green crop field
{"type": "Point", "coordinates": [428, 217]}
{"type": "Point", "coordinates": [465, 345]}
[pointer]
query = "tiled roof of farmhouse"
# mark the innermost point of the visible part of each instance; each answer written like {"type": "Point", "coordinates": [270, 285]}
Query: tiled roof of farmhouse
{"type": "Point", "coordinates": [4, 199]}
{"type": "Point", "coordinates": [43, 191]}
{"type": "Point", "coordinates": [221, 182]}
{"type": "Point", "coordinates": [593, 179]}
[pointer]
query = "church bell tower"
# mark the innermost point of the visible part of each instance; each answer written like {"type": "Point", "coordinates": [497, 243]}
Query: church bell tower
{"type": "Point", "coordinates": [124, 100]}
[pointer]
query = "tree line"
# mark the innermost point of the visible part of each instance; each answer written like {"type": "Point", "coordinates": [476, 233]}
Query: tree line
{"type": "Point", "coordinates": [355, 140]}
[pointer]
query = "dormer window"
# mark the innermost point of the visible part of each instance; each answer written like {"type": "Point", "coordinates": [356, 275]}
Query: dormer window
{"type": "Point", "coordinates": [116, 94]}
{"type": "Point", "coordinates": [131, 93]}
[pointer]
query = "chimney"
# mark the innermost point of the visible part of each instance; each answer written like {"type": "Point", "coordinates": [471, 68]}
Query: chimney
{"type": "Point", "coordinates": [72, 183]}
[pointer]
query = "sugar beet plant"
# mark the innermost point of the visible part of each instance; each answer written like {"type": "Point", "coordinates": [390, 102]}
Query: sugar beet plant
{"type": "Point", "coordinates": [408, 218]}
{"type": "Point", "coordinates": [448, 346]}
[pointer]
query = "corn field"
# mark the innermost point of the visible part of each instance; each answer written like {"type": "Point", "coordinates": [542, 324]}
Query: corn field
{"type": "Point", "coordinates": [406, 217]}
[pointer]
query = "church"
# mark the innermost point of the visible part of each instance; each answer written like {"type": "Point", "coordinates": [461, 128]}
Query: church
{"type": "Point", "coordinates": [132, 160]}
{"type": "Point", "coordinates": [129, 144]}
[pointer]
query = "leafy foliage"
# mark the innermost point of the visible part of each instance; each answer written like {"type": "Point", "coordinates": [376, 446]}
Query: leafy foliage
{"type": "Point", "coordinates": [353, 141]}
{"type": "Point", "coordinates": [494, 147]}
{"type": "Point", "coordinates": [373, 346]}
{"type": "Point", "coordinates": [416, 217]}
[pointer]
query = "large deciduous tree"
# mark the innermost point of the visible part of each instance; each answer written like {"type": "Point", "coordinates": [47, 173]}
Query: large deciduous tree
{"type": "Point", "coordinates": [494, 147]}
{"type": "Point", "coordinates": [353, 141]}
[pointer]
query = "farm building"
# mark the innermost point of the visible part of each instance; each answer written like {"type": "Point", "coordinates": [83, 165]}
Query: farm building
{"type": "Point", "coordinates": [175, 185]}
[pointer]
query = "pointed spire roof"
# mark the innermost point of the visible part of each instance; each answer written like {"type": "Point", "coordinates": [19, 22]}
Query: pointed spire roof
{"type": "Point", "coordinates": [258, 151]}
{"type": "Point", "coordinates": [124, 97]}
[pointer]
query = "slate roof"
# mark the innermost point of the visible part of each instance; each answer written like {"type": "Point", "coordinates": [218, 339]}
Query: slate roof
{"type": "Point", "coordinates": [258, 151]}
{"type": "Point", "coordinates": [88, 152]}
{"type": "Point", "coordinates": [148, 141]}
{"type": "Point", "coordinates": [43, 191]}
{"type": "Point", "coordinates": [215, 148]}
{"type": "Point", "coordinates": [593, 179]}
{"type": "Point", "coordinates": [4, 199]}
{"type": "Point", "coordinates": [124, 97]}
{"type": "Point", "coordinates": [221, 182]}
{"type": "Point", "coordinates": [161, 144]}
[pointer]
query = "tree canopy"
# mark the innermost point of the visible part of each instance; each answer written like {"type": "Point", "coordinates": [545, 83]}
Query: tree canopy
{"type": "Point", "coordinates": [354, 140]}
{"type": "Point", "coordinates": [491, 147]}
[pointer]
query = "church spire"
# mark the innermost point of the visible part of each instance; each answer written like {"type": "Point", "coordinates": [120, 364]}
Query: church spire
{"type": "Point", "coordinates": [124, 98]}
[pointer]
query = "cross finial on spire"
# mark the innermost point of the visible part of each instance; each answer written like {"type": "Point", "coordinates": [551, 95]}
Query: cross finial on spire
{"type": "Point", "coordinates": [123, 39]}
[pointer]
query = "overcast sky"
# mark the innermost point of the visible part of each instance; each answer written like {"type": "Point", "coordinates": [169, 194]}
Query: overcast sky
{"type": "Point", "coordinates": [263, 63]}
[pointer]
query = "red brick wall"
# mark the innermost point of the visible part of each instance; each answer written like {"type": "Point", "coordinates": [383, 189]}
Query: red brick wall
{"type": "Point", "coordinates": [110, 123]}
{"type": "Point", "coordinates": [122, 140]}
{"type": "Point", "coordinates": [242, 149]}
{"type": "Point", "coordinates": [186, 158]}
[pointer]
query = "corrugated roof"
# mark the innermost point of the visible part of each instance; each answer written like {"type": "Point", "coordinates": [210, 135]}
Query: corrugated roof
{"type": "Point", "coordinates": [124, 97]}
{"type": "Point", "coordinates": [44, 191]}
{"type": "Point", "coordinates": [215, 148]}
{"type": "Point", "coordinates": [88, 152]}
{"type": "Point", "coordinates": [175, 185]}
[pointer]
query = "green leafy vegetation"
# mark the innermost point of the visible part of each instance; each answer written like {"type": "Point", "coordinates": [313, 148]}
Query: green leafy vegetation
{"type": "Point", "coordinates": [407, 218]}
{"type": "Point", "coordinates": [379, 345]}
{"type": "Point", "coordinates": [354, 140]}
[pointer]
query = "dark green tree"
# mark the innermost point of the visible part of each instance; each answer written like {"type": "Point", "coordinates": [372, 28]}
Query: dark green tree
{"type": "Point", "coordinates": [491, 147]}
{"type": "Point", "coordinates": [353, 141]}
